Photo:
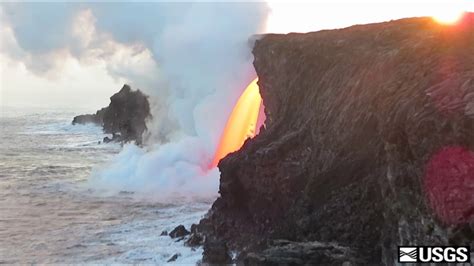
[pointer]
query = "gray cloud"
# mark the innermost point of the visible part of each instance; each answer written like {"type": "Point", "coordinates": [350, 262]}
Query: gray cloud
{"type": "Point", "coordinates": [40, 28]}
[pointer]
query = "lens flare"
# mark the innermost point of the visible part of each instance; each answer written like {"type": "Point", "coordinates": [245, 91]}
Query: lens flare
{"type": "Point", "coordinates": [242, 122]}
{"type": "Point", "coordinates": [449, 184]}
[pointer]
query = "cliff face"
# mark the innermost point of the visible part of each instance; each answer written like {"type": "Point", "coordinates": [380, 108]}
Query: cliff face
{"type": "Point", "coordinates": [124, 118]}
{"type": "Point", "coordinates": [369, 143]}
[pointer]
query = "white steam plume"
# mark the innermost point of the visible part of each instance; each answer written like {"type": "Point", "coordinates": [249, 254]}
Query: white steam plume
{"type": "Point", "coordinates": [193, 59]}
{"type": "Point", "coordinates": [203, 53]}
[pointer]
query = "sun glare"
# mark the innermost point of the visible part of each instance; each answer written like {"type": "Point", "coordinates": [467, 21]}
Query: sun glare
{"type": "Point", "coordinates": [316, 15]}
{"type": "Point", "coordinates": [448, 17]}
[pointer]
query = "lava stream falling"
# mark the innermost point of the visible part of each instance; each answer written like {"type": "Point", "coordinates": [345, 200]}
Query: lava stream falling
{"type": "Point", "coordinates": [242, 122]}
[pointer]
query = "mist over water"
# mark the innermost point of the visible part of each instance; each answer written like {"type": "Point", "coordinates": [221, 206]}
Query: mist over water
{"type": "Point", "coordinates": [50, 215]}
{"type": "Point", "coordinates": [192, 59]}
{"type": "Point", "coordinates": [65, 198]}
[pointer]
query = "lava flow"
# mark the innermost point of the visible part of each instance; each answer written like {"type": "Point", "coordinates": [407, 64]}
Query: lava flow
{"type": "Point", "coordinates": [242, 122]}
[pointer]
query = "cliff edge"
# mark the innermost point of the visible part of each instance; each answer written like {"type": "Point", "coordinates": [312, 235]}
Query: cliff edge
{"type": "Point", "coordinates": [368, 144]}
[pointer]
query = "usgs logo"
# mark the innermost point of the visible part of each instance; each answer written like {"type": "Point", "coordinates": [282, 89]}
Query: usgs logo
{"type": "Point", "coordinates": [433, 254]}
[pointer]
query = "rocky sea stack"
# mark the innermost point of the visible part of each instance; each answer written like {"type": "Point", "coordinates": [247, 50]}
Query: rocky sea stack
{"type": "Point", "coordinates": [124, 118]}
{"type": "Point", "coordinates": [368, 144]}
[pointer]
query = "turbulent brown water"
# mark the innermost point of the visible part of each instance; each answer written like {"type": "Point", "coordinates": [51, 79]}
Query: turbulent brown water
{"type": "Point", "coordinates": [49, 213]}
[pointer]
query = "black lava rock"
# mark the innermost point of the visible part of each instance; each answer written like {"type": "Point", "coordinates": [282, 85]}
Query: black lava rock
{"type": "Point", "coordinates": [366, 131]}
{"type": "Point", "coordinates": [174, 257]}
{"type": "Point", "coordinates": [124, 118]}
{"type": "Point", "coordinates": [179, 231]}
{"type": "Point", "coordinates": [194, 240]}
{"type": "Point", "coordinates": [216, 252]}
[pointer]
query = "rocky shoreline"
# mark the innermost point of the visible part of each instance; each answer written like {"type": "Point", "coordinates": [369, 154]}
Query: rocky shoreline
{"type": "Point", "coordinates": [368, 144]}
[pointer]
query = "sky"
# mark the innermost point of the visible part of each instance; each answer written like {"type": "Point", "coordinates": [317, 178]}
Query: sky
{"type": "Point", "coordinates": [79, 54]}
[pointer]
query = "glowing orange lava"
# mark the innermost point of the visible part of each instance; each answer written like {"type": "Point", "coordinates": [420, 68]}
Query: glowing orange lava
{"type": "Point", "coordinates": [242, 122]}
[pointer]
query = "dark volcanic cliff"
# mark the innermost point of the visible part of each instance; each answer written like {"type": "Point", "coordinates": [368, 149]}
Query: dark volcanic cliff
{"type": "Point", "coordinates": [369, 143]}
{"type": "Point", "coordinates": [124, 118]}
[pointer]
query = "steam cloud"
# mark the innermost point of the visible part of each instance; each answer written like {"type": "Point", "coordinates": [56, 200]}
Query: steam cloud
{"type": "Point", "coordinates": [192, 59]}
{"type": "Point", "coordinates": [203, 54]}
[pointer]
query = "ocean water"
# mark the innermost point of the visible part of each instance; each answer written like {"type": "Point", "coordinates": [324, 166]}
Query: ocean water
{"type": "Point", "coordinates": [50, 214]}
